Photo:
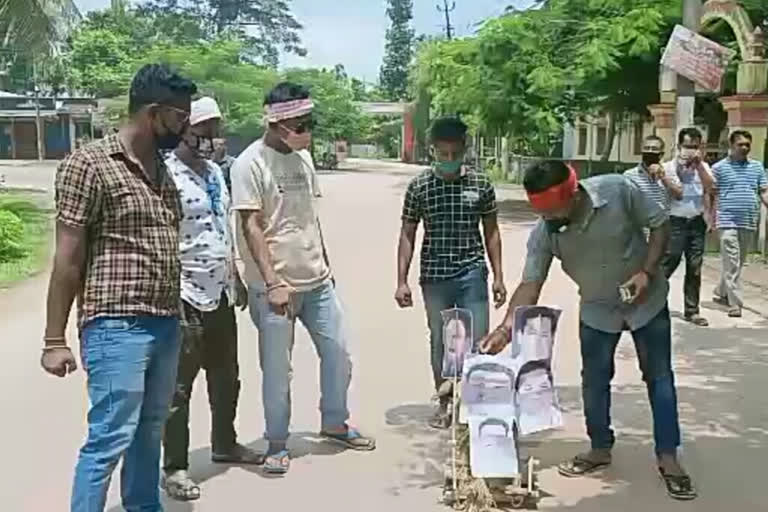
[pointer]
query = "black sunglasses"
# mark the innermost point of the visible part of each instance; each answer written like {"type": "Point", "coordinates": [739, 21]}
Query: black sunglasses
{"type": "Point", "coordinates": [305, 126]}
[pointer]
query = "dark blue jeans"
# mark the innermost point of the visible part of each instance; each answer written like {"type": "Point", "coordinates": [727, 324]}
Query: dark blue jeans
{"type": "Point", "coordinates": [653, 343]}
{"type": "Point", "coordinates": [468, 291]}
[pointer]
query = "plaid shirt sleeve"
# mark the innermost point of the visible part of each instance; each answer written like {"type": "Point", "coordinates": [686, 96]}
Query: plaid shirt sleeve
{"type": "Point", "coordinates": [78, 191]}
{"type": "Point", "coordinates": [488, 199]}
{"type": "Point", "coordinates": [413, 209]}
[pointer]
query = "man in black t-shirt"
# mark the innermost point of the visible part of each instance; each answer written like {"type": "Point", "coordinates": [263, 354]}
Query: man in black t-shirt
{"type": "Point", "coordinates": [451, 201]}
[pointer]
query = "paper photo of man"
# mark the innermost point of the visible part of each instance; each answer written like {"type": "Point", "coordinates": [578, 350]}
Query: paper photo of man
{"type": "Point", "coordinates": [534, 335]}
{"type": "Point", "coordinates": [457, 341]}
{"type": "Point", "coordinates": [488, 388]}
{"type": "Point", "coordinates": [492, 449]}
{"type": "Point", "coordinates": [536, 399]}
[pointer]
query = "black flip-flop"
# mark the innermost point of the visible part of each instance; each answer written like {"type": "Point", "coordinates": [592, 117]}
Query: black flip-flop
{"type": "Point", "coordinates": [679, 487]}
{"type": "Point", "coordinates": [579, 466]}
{"type": "Point", "coordinates": [351, 439]}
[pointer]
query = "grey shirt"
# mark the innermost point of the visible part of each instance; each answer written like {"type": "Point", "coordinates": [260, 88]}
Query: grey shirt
{"type": "Point", "coordinates": [601, 249]}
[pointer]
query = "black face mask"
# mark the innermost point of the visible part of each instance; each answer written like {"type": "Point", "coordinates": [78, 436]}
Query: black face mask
{"type": "Point", "coordinates": [169, 140]}
{"type": "Point", "coordinates": [651, 158]}
{"type": "Point", "coordinates": [557, 225]}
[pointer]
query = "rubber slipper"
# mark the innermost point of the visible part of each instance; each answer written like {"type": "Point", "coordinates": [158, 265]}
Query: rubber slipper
{"type": "Point", "coordinates": [277, 463]}
{"type": "Point", "coordinates": [180, 487]}
{"type": "Point", "coordinates": [579, 466]}
{"type": "Point", "coordinates": [679, 487]}
{"type": "Point", "coordinates": [351, 439]}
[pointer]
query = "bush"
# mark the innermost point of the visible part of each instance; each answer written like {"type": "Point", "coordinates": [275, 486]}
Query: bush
{"type": "Point", "coordinates": [11, 236]}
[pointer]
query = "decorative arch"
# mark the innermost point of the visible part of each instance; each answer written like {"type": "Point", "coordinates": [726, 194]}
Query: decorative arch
{"type": "Point", "coordinates": [750, 39]}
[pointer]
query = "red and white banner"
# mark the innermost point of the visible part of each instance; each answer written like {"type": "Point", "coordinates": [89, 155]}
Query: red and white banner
{"type": "Point", "coordinates": [698, 59]}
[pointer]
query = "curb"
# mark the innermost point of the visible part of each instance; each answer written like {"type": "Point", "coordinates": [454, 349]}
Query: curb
{"type": "Point", "coordinates": [35, 190]}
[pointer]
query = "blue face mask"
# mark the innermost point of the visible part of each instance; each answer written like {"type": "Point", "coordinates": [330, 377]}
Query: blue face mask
{"type": "Point", "coordinates": [449, 168]}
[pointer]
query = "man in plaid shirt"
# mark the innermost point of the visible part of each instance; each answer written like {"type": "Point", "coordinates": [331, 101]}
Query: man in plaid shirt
{"type": "Point", "coordinates": [117, 251]}
{"type": "Point", "coordinates": [451, 200]}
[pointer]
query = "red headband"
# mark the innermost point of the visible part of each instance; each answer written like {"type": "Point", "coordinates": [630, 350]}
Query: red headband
{"type": "Point", "coordinates": [557, 196]}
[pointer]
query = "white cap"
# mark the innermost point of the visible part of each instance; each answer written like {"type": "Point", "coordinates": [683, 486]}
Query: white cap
{"type": "Point", "coordinates": [204, 109]}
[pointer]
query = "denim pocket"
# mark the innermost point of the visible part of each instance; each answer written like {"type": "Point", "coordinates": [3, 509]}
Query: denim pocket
{"type": "Point", "coordinates": [98, 336]}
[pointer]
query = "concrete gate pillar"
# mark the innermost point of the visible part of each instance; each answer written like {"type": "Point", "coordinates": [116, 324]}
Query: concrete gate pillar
{"type": "Point", "coordinates": [664, 120]}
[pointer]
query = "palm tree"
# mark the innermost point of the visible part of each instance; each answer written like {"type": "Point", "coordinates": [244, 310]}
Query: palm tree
{"type": "Point", "coordinates": [36, 25]}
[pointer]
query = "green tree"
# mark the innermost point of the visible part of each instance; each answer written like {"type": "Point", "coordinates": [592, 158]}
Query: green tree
{"type": "Point", "coordinates": [265, 26]}
{"type": "Point", "coordinates": [101, 62]}
{"type": "Point", "coordinates": [35, 25]}
{"type": "Point", "coordinates": [398, 49]}
{"type": "Point", "coordinates": [526, 73]}
{"type": "Point", "coordinates": [31, 35]}
{"type": "Point", "coordinates": [336, 114]}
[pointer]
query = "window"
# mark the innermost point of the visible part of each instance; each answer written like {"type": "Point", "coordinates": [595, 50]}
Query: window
{"type": "Point", "coordinates": [638, 138]}
{"type": "Point", "coordinates": [582, 140]}
{"type": "Point", "coordinates": [602, 136]}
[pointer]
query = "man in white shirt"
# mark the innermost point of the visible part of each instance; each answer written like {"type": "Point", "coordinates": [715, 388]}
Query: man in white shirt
{"type": "Point", "coordinates": [210, 288]}
{"type": "Point", "coordinates": [287, 271]}
{"type": "Point", "coordinates": [690, 202]}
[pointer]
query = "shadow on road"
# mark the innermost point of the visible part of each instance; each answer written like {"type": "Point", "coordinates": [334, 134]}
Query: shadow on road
{"type": "Point", "coordinates": [201, 469]}
{"type": "Point", "coordinates": [723, 414]}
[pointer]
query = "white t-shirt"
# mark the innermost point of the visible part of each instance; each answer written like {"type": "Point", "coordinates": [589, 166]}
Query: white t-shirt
{"type": "Point", "coordinates": [692, 203]}
{"type": "Point", "coordinates": [205, 237]}
{"type": "Point", "coordinates": [280, 185]}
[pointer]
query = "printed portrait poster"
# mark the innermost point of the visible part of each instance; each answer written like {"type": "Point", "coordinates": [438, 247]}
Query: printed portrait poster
{"type": "Point", "coordinates": [457, 341]}
{"type": "Point", "coordinates": [536, 400]}
{"type": "Point", "coordinates": [492, 448]}
{"type": "Point", "coordinates": [487, 387]}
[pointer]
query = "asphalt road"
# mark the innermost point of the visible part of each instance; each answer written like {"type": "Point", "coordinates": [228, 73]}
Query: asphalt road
{"type": "Point", "coordinates": [721, 372]}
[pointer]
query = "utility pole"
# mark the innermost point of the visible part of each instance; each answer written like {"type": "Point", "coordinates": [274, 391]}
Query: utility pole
{"type": "Point", "coordinates": [686, 90]}
{"type": "Point", "coordinates": [447, 11]}
{"type": "Point", "coordinates": [38, 127]}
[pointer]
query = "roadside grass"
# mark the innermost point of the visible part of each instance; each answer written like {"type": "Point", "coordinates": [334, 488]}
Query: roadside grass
{"type": "Point", "coordinates": [37, 219]}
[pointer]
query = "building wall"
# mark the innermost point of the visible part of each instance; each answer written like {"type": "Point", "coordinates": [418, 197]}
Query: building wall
{"type": "Point", "coordinates": [586, 139]}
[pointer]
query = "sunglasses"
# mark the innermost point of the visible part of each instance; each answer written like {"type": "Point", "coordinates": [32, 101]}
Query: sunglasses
{"type": "Point", "coordinates": [305, 126]}
{"type": "Point", "coordinates": [183, 114]}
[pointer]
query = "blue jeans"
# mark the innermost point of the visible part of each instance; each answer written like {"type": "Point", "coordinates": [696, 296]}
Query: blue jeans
{"type": "Point", "coordinates": [131, 366]}
{"type": "Point", "coordinates": [321, 314]}
{"type": "Point", "coordinates": [653, 345]}
{"type": "Point", "coordinates": [468, 291]}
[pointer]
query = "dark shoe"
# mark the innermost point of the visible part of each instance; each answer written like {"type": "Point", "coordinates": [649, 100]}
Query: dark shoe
{"type": "Point", "coordinates": [723, 301]}
{"type": "Point", "coordinates": [695, 319]}
{"type": "Point", "coordinates": [734, 312]}
{"type": "Point", "coordinates": [239, 454]}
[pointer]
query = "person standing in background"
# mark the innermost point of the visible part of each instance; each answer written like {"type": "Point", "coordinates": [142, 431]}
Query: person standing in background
{"type": "Point", "coordinates": [739, 182]}
{"type": "Point", "coordinates": [649, 176]}
{"type": "Point", "coordinates": [690, 190]}
{"type": "Point", "coordinates": [224, 160]}
{"type": "Point", "coordinates": [210, 288]}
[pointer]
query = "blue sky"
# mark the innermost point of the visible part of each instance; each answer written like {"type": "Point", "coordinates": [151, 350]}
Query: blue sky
{"type": "Point", "coordinates": [352, 32]}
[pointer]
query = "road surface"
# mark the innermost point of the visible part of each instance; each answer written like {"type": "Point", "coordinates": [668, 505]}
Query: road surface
{"type": "Point", "coordinates": [721, 372]}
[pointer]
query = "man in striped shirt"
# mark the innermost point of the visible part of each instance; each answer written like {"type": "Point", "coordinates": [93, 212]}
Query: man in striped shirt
{"type": "Point", "coordinates": [690, 197]}
{"type": "Point", "coordinates": [739, 181]}
{"type": "Point", "coordinates": [649, 176]}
